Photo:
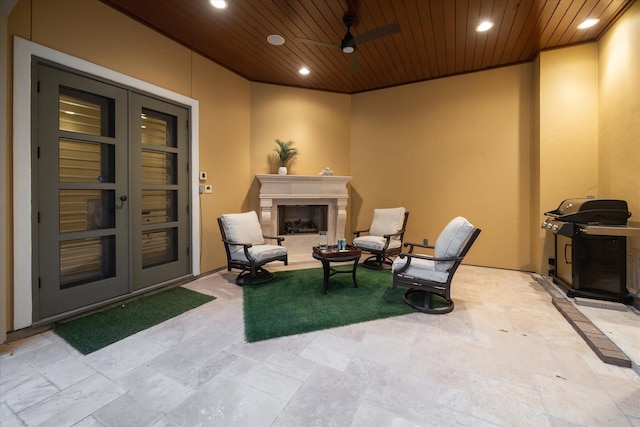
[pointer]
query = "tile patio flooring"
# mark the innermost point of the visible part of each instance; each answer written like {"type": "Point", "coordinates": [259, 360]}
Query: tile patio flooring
{"type": "Point", "coordinates": [504, 356]}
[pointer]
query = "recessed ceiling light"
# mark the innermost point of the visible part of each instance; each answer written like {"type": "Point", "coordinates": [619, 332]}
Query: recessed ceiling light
{"type": "Point", "coordinates": [275, 40]}
{"type": "Point", "coordinates": [588, 23]}
{"type": "Point", "coordinates": [484, 26]}
{"type": "Point", "coordinates": [218, 4]}
{"type": "Point", "coordinates": [304, 71]}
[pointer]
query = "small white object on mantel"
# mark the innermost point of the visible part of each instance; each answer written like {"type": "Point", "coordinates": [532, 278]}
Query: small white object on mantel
{"type": "Point", "coordinates": [326, 172]}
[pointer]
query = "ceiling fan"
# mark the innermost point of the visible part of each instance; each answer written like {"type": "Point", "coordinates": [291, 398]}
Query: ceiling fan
{"type": "Point", "coordinates": [349, 42]}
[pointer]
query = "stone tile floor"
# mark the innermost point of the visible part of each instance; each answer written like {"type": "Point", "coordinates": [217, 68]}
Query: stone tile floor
{"type": "Point", "coordinates": [504, 356]}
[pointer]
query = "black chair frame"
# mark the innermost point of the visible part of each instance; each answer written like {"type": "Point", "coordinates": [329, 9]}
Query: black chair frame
{"type": "Point", "coordinates": [381, 259]}
{"type": "Point", "coordinates": [429, 287]}
{"type": "Point", "coordinates": [253, 272]}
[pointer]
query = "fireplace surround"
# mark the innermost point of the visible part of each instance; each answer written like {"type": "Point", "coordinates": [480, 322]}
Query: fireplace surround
{"type": "Point", "coordinates": [299, 191]}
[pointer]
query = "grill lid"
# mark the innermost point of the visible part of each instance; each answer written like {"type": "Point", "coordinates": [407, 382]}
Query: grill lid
{"type": "Point", "coordinates": [592, 211]}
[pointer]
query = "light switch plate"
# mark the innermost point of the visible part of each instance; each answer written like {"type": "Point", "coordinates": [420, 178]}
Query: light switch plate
{"type": "Point", "coordinates": [203, 176]}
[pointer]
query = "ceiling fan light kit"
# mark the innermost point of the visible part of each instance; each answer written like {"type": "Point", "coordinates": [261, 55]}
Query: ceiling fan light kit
{"type": "Point", "coordinates": [349, 42]}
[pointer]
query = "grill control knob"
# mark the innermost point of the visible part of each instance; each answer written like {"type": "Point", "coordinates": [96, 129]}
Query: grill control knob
{"type": "Point", "coordinates": [555, 227]}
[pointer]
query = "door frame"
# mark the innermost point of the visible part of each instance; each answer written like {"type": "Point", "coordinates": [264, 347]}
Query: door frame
{"type": "Point", "coordinates": [24, 52]}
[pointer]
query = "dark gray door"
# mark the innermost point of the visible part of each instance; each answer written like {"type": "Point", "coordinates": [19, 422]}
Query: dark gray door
{"type": "Point", "coordinates": [111, 191]}
{"type": "Point", "coordinates": [159, 190]}
{"type": "Point", "coordinates": [82, 213]}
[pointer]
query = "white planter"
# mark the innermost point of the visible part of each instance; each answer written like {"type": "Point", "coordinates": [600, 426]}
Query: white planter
{"type": "Point", "coordinates": [282, 170]}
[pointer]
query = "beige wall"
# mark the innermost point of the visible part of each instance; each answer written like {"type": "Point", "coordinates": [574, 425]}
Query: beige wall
{"type": "Point", "coordinates": [224, 150]}
{"type": "Point", "coordinates": [318, 122]}
{"type": "Point", "coordinates": [97, 33]}
{"type": "Point", "coordinates": [619, 125]}
{"type": "Point", "coordinates": [568, 131]}
{"type": "Point", "coordinates": [449, 147]}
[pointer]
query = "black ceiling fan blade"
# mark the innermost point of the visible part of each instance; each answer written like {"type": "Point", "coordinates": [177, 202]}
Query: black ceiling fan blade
{"type": "Point", "coordinates": [374, 34]}
{"type": "Point", "coordinates": [317, 43]}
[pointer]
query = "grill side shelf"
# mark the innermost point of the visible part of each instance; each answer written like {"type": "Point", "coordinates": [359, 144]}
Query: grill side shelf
{"type": "Point", "coordinates": [600, 230]}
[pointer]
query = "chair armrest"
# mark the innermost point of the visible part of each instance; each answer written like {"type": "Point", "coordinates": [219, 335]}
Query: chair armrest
{"type": "Point", "coordinates": [410, 256]}
{"type": "Point", "coordinates": [357, 233]}
{"type": "Point", "coordinates": [429, 257]}
{"type": "Point", "coordinates": [278, 238]}
{"type": "Point", "coordinates": [245, 247]}
{"type": "Point", "coordinates": [411, 245]}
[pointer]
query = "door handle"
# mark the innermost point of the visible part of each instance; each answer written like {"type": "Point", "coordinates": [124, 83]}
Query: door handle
{"type": "Point", "coordinates": [123, 198]}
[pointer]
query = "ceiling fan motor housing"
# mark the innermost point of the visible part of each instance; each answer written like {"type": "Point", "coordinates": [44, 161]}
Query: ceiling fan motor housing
{"type": "Point", "coordinates": [347, 45]}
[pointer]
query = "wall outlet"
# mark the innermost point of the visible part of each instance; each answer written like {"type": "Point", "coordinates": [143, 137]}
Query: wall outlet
{"type": "Point", "coordinates": [208, 189]}
{"type": "Point", "coordinates": [425, 242]}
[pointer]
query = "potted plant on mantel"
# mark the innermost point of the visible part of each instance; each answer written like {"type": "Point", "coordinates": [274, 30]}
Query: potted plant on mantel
{"type": "Point", "coordinates": [285, 152]}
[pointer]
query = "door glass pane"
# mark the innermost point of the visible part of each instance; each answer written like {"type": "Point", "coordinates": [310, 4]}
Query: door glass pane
{"type": "Point", "coordinates": [85, 112]}
{"type": "Point", "coordinates": [82, 210]}
{"type": "Point", "coordinates": [159, 206]}
{"type": "Point", "coordinates": [87, 162]}
{"type": "Point", "coordinates": [158, 168]}
{"type": "Point", "coordinates": [86, 260]}
{"type": "Point", "coordinates": [159, 247]}
{"type": "Point", "coordinates": [158, 128]}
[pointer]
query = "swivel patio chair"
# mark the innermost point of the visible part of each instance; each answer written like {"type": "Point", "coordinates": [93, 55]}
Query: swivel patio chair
{"type": "Point", "coordinates": [384, 238]}
{"type": "Point", "coordinates": [425, 275]}
{"type": "Point", "coordinates": [246, 249]}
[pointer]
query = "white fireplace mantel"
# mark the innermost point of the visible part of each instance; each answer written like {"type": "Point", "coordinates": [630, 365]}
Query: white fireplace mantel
{"type": "Point", "coordinates": [276, 190]}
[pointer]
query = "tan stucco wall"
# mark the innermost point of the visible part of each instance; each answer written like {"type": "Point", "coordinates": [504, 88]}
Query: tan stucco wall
{"type": "Point", "coordinates": [318, 122]}
{"type": "Point", "coordinates": [568, 131]}
{"type": "Point", "coordinates": [224, 150]}
{"type": "Point", "coordinates": [619, 125]}
{"type": "Point", "coordinates": [449, 147]}
{"type": "Point", "coordinates": [99, 34]}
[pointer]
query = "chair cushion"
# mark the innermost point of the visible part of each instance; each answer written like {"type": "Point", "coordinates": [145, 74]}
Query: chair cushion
{"type": "Point", "coordinates": [374, 243]}
{"type": "Point", "coordinates": [450, 241]}
{"type": "Point", "coordinates": [387, 221]}
{"type": "Point", "coordinates": [421, 268]}
{"type": "Point", "coordinates": [261, 253]}
{"type": "Point", "coordinates": [243, 228]}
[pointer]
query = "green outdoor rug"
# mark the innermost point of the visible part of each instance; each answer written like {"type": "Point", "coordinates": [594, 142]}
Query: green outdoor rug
{"type": "Point", "coordinates": [293, 303]}
{"type": "Point", "coordinates": [90, 333]}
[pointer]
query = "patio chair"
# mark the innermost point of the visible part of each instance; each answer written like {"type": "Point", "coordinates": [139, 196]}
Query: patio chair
{"type": "Point", "coordinates": [384, 238]}
{"type": "Point", "coordinates": [246, 249]}
{"type": "Point", "coordinates": [425, 275]}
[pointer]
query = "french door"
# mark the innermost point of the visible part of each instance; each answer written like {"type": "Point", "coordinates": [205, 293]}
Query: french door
{"type": "Point", "coordinates": [111, 184]}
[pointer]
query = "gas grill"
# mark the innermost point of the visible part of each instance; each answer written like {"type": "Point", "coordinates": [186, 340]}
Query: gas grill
{"type": "Point", "coordinates": [590, 248]}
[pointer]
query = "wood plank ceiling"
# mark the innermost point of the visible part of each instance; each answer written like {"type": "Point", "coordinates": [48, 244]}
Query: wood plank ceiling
{"type": "Point", "coordinates": [437, 38]}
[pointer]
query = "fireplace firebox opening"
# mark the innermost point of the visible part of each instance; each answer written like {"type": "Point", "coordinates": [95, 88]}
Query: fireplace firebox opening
{"type": "Point", "coordinates": [302, 219]}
